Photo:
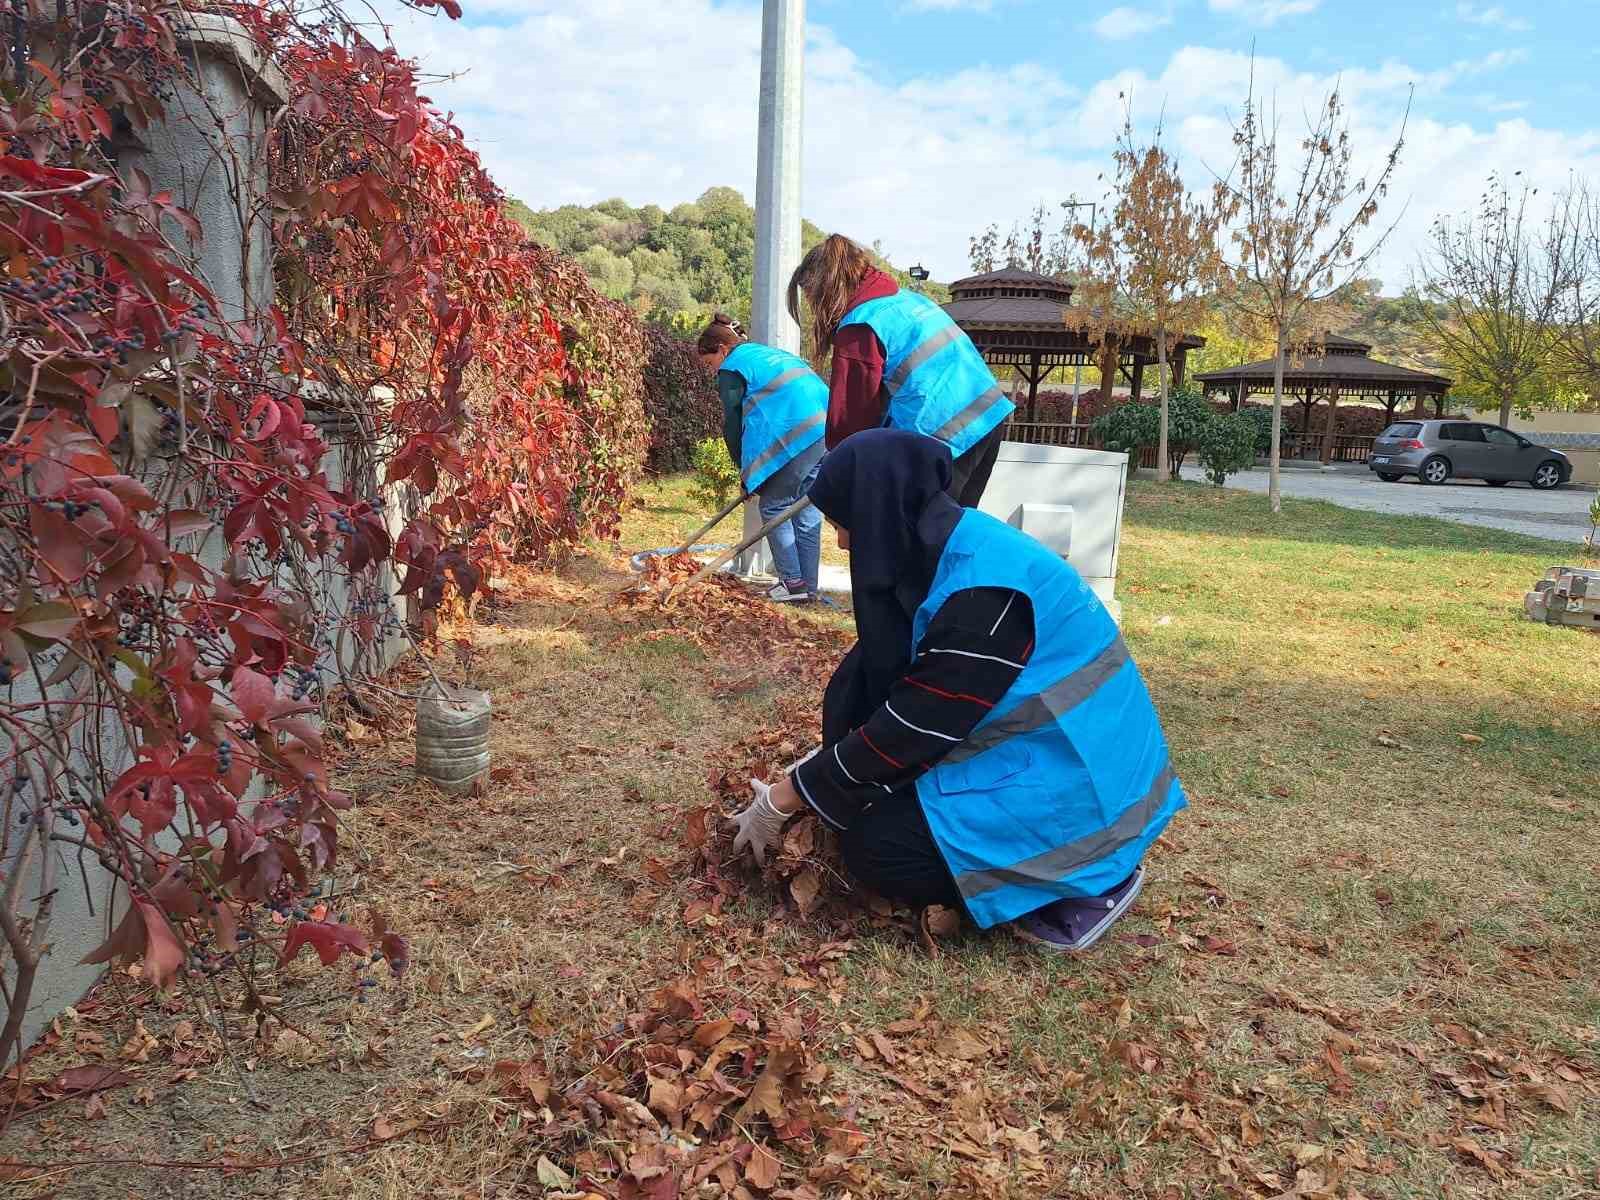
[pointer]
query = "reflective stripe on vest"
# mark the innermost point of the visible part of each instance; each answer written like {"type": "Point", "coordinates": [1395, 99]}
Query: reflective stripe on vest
{"type": "Point", "coordinates": [936, 381]}
{"type": "Point", "coordinates": [784, 412]}
{"type": "Point", "coordinates": [1045, 869]}
{"type": "Point", "coordinates": [1062, 788]}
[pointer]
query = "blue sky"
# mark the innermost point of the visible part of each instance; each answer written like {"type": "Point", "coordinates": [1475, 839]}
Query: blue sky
{"type": "Point", "coordinates": [927, 119]}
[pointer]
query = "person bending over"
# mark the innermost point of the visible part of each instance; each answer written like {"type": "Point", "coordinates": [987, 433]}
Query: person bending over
{"type": "Point", "coordinates": [773, 410]}
{"type": "Point", "coordinates": [899, 360]}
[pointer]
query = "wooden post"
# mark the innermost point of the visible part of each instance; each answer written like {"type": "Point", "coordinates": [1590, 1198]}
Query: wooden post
{"type": "Point", "coordinates": [1178, 361]}
{"type": "Point", "coordinates": [1389, 406]}
{"type": "Point", "coordinates": [1033, 386]}
{"type": "Point", "coordinates": [1238, 399]}
{"type": "Point", "coordinates": [1138, 378]}
{"type": "Point", "coordinates": [1333, 412]}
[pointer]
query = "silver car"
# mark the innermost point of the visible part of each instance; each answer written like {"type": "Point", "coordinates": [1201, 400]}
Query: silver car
{"type": "Point", "coordinates": [1435, 451]}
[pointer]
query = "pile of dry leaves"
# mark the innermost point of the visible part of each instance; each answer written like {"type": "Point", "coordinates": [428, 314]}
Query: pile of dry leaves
{"type": "Point", "coordinates": [695, 1094]}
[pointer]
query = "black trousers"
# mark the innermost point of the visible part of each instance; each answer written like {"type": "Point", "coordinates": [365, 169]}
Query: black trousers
{"type": "Point", "coordinates": [890, 849]}
{"type": "Point", "coordinates": [972, 469]}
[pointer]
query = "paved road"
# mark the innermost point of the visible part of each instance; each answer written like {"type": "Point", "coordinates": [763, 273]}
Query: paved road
{"type": "Point", "coordinates": [1561, 515]}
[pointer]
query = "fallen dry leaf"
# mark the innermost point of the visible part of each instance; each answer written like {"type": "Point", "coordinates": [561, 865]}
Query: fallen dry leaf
{"type": "Point", "coordinates": [763, 1169]}
{"type": "Point", "coordinates": [1470, 739]}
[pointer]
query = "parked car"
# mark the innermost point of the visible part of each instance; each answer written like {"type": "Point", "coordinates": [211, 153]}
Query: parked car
{"type": "Point", "coordinates": [1435, 451]}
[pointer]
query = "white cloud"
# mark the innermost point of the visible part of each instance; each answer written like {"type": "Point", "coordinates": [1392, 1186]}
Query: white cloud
{"type": "Point", "coordinates": [1263, 12]}
{"type": "Point", "coordinates": [634, 100]}
{"type": "Point", "coordinates": [1490, 16]}
{"type": "Point", "coordinates": [1125, 22]}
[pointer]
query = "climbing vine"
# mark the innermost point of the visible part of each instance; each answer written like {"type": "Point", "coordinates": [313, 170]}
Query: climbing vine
{"type": "Point", "coordinates": [200, 512]}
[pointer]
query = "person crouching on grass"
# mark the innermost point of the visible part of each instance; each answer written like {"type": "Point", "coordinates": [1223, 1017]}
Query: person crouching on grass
{"type": "Point", "coordinates": [774, 408]}
{"type": "Point", "coordinates": [899, 360]}
{"type": "Point", "coordinates": [988, 743]}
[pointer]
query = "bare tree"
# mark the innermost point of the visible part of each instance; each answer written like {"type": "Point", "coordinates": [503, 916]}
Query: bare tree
{"type": "Point", "coordinates": [1577, 319]}
{"type": "Point", "coordinates": [1154, 262]}
{"type": "Point", "coordinates": [1499, 282]}
{"type": "Point", "coordinates": [1295, 226]}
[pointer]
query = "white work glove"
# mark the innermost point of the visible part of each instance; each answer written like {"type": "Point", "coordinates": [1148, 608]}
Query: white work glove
{"type": "Point", "coordinates": [759, 825]}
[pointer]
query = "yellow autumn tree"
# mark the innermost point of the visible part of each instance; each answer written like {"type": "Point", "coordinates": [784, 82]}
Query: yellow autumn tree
{"type": "Point", "coordinates": [1151, 266]}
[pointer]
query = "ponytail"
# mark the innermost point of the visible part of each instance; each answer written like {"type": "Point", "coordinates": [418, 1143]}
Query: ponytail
{"type": "Point", "coordinates": [723, 332]}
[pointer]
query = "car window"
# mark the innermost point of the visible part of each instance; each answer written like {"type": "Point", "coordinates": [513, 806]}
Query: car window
{"type": "Point", "coordinates": [1500, 437]}
{"type": "Point", "coordinates": [1405, 429]}
{"type": "Point", "coordinates": [1460, 433]}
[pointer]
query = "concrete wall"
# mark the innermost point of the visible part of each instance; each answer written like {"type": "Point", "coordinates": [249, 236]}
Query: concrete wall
{"type": "Point", "coordinates": [1556, 422]}
{"type": "Point", "coordinates": [211, 154]}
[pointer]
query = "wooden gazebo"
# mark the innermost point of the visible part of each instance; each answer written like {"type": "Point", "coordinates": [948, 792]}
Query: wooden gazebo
{"type": "Point", "coordinates": [1334, 369]}
{"type": "Point", "coordinates": [1027, 321]}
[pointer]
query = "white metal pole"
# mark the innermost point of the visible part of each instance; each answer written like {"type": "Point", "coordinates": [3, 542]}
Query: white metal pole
{"type": "Point", "coordinates": [783, 42]}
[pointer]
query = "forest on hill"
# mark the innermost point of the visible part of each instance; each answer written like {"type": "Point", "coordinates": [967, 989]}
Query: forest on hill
{"type": "Point", "coordinates": [672, 266]}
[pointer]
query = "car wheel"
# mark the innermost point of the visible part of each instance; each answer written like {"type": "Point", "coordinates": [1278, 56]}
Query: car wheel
{"type": "Point", "coordinates": [1435, 470]}
{"type": "Point", "coordinates": [1388, 478]}
{"type": "Point", "coordinates": [1497, 482]}
{"type": "Point", "coordinates": [1547, 476]}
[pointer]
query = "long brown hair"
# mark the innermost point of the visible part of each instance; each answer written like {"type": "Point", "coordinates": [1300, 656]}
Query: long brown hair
{"type": "Point", "coordinates": [827, 278]}
{"type": "Point", "coordinates": [723, 331]}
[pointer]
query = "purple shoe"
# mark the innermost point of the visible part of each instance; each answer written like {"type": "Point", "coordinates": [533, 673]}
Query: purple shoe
{"type": "Point", "coordinates": [1064, 926]}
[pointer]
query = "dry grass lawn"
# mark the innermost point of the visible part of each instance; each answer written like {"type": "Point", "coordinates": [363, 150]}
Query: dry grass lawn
{"type": "Point", "coordinates": [1365, 965]}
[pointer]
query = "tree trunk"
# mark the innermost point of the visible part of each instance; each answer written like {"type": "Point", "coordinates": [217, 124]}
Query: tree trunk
{"type": "Point", "coordinates": [1333, 424]}
{"type": "Point", "coordinates": [1274, 491]}
{"type": "Point", "coordinates": [1506, 399]}
{"type": "Point", "coordinates": [1163, 465]}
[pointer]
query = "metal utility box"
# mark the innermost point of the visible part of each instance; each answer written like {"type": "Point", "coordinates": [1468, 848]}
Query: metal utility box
{"type": "Point", "coordinates": [1070, 499]}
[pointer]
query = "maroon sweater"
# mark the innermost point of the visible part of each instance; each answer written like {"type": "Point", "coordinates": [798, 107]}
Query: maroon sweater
{"type": "Point", "coordinates": [856, 399]}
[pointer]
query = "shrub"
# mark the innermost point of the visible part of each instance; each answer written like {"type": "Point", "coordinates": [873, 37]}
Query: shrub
{"type": "Point", "coordinates": [1228, 445]}
{"type": "Point", "coordinates": [1188, 419]}
{"type": "Point", "coordinates": [680, 401]}
{"type": "Point", "coordinates": [1129, 429]}
{"type": "Point", "coordinates": [1260, 420]}
{"type": "Point", "coordinates": [716, 479]}
{"type": "Point", "coordinates": [1132, 427]}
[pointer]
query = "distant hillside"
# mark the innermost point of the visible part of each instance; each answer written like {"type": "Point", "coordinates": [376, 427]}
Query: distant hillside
{"type": "Point", "coordinates": [674, 267]}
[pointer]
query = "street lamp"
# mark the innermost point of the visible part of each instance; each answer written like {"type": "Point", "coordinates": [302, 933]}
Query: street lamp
{"type": "Point", "coordinates": [919, 273]}
{"type": "Point", "coordinates": [1077, 367]}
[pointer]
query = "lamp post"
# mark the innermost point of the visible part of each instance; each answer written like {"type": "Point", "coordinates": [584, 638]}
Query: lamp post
{"type": "Point", "coordinates": [1077, 367]}
{"type": "Point", "coordinates": [778, 126]}
{"type": "Point", "coordinates": [919, 275]}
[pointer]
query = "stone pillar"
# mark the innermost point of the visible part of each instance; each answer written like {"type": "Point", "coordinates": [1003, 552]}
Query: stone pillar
{"type": "Point", "coordinates": [210, 152]}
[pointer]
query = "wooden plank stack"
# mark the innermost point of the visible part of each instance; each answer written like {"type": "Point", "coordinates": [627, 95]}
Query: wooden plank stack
{"type": "Point", "coordinates": [1566, 596]}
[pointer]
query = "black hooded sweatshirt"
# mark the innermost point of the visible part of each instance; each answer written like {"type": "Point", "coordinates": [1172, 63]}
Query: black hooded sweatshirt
{"type": "Point", "coordinates": [889, 716]}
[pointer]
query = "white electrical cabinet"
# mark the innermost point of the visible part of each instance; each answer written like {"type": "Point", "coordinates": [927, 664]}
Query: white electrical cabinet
{"type": "Point", "coordinates": [1070, 499]}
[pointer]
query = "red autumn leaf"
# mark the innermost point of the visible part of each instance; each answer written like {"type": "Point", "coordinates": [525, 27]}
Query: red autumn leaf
{"type": "Point", "coordinates": [253, 694]}
{"type": "Point", "coordinates": [143, 933]}
{"type": "Point", "coordinates": [327, 939]}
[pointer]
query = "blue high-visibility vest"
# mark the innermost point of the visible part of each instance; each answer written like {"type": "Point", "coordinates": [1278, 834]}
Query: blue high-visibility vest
{"type": "Point", "coordinates": [1061, 788]}
{"type": "Point", "coordinates": [938, 383]}
{"type": "Point", "coordinates": [785, 409]}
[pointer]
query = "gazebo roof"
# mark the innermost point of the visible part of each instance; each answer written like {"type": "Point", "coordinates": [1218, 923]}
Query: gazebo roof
{"type": "Point", "coordinates": [1345, 364]}
{"type": "Point", "coordinates": [1017, 300]}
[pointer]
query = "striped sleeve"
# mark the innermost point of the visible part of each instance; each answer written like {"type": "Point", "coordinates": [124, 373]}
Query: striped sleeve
{"type": "Point", "coordinates": [974, 649]}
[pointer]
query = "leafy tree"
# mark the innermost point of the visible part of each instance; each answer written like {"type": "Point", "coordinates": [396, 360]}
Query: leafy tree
{"type": "Point", "coordinates": [1295, 228]}
{"type": "Point", "coordinates": [1498, 285]}
{"type": "Point", "coordinates": [685, 264]}
{"type": "Point", "coordinates": [1153, 261]}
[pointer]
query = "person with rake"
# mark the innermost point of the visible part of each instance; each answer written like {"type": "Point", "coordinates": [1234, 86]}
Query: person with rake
{"type": "Point", "coordinates": [774, 408]}
{"type": "Point", "coordinates": [988, 743]}
{"type": "Point", "coordinates": [898, 360]}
